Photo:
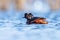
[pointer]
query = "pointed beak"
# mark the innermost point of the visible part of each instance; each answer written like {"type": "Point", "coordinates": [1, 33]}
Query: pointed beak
{"type": "Point", "coordinates": [23, 17]}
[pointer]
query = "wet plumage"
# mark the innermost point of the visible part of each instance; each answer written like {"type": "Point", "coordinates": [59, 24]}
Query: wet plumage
{"type": "Point", "coordinates": [34, 20]}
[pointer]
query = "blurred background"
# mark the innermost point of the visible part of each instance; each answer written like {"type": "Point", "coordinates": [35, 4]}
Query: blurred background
{"type": "Point", "coordinates": [42, 8]}
{"type": "Point", "coordinates": [13, 26]}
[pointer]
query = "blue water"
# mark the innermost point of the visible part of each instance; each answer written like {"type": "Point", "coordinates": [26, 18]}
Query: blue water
{"type": "Point", "coordinates": [13, 26]}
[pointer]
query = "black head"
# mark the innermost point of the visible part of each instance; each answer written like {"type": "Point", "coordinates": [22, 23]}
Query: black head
{"type": "Point", "coordinates": [28, 16]}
